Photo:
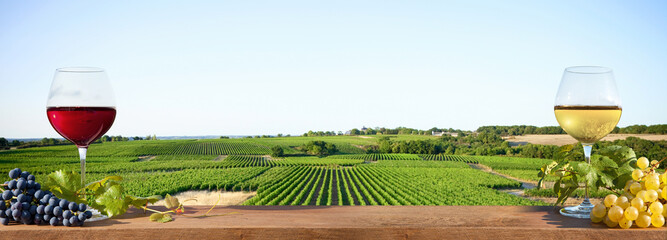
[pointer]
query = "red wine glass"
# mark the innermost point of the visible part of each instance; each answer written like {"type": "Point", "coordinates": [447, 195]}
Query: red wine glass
{"type": "Point", "coordinates": [81, 107]}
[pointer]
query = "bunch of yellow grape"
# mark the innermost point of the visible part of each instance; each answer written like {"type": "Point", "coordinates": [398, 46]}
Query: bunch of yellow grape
{"type": "Point", "coordinates": [643, 203]}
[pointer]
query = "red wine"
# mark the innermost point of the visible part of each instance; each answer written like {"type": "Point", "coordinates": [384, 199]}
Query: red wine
{"type": "Point", "coordinates": [81, 125]}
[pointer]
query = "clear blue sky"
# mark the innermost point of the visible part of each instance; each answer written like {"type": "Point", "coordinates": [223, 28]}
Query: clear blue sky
{"type": "Point", "coordinates": [268, 67]}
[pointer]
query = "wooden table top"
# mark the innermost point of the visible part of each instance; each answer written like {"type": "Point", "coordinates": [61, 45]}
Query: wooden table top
{"type": "Point", "coordinates": [344, 222]}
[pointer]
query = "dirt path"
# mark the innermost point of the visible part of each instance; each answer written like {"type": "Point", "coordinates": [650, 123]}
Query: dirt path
{"type": "Point", "coordinates": [526, 184]}
{"type": "Point", "coordinates": [210, 197]}
{"type": "Point", "coordinates": [145, 158]}
{"type": "Point", "coordinates": [220, 158]}
{"type": "Point", "coordinates": [550, 200]}
{"type": "Point", "coordinates": [564, 139]}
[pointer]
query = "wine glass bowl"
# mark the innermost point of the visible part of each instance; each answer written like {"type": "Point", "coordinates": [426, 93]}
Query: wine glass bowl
{"type": "Point", "coordinates": [588, 108]}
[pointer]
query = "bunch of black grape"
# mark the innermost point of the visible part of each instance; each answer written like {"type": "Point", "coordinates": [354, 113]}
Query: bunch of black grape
{"type": "Point", "coordinates": [24, 201]}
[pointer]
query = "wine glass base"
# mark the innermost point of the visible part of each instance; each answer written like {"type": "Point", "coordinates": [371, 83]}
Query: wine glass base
{"type": "Point", "coordinates": [97, 216]}
{"type": "Point", "coordinates": [582, 210]}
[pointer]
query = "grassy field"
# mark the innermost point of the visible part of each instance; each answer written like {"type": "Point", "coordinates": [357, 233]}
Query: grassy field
{"type": "Point", "coordinates": [348, 178]}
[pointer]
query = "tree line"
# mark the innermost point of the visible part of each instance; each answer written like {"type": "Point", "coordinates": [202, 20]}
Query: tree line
{"type": "Point", "coordinates": [642, 129]}
{"type": "Point", "coordinates": [404, 131]}
{"type": "Point", "coordinates": [491, 144]}
{"type": "Point", "coordinates": [384, 131]}
{"type": "Point", "coordinates": [514, 130]}
{"type": "Point", "coordinates": [315, 148]}
{"type": "Point", "coordinates": [527, 129]}
{"type": "Point", "coordinates": [6, 144]}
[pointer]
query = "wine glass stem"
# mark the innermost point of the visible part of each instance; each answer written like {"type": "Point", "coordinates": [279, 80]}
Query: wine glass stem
{"type": "Point", "coordinates": [587, 154]}
{"type": "Point", "coordinates": [82, 157]}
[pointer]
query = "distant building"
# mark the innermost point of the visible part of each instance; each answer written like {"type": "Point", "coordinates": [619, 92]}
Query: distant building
{"type": "Point", "coordinates": [440, 134]}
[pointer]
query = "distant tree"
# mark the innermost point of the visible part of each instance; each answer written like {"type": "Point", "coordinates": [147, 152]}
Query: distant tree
{"type": "Point", "coordinates": [450, 150]}
{"type": "Point", "coordinates": [3, 142]}
{"type": "Point", "coordinates": [355, 131]}
{"type": "Point", "coordinates": [224, 137]}
{"type": "Point", "coordinates": [657, 129]}
{"type": "Point", "coordinates": [319, 148]}
{"type": "Point", "coordinates": [277, 151]}
{"type": "Point", "coordinates": [137, 138]}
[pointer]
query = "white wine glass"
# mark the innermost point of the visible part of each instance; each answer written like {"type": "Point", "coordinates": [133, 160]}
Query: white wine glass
{"type": "Point", "coordinates": [588, 108]}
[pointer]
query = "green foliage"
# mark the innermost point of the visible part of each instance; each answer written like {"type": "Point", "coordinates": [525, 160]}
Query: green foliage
{"type": "Point", "coordinates": [401, 131]}
{"type": "Point", "coordinates": [119, 138]}
{"type": "Point", "coordinates": [523, 130]}
{"type": "Point", "coordinates": [431, 184]}
{"type": "Point", "coordinates": [319, 148]}
{"type": "Point", "coordinates": [503, 163]}
{"type": "Point", "coordinates": [411, 146]}
{"type": "Point", "coordinates": [643, 129]}
{"type": "Point", "coordinates": [653, 150]}
{"type": "Point", "coordinates": [320, 133]}
{"type": "Point", "coordinates": [277, 151]}
{"type": "Point", "coordinates": [64, 185]}
{"type": "Point", "coordinates": [376, 157]}
{"type": "Point", "coordinates": [520, 130]}
{"type": "Point", "coordinates": [611, 168]}
{"type": "Point", "coordinates": [106, 195]}
{"type": "Point", "coordinates": [171, 202]}
{"type": "Point", "coordinates": [161, 183]}
{"type": "Point", "coordinates": [161, 217]}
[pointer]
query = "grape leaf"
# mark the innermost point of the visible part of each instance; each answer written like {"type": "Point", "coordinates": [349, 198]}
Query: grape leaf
{"type": "Point", "coordinates": [112, 201]}
{"type": "Point", "coordinates": [64, 185]}
{"type": "Point", "coordinates": [557, 187]}
{"type": "Point", "coordinates": [161, 217]}
{"type": "Point", "coordinates": [621, 180]}
{"type": "Point", "coordinates": [620, 154]}
{"type": "Point", "coordinates": [603, 162]}
{"type": "Point", "coordinates": [544, 172]}
{"type": "Point", "coordinates": [94, 186]}
{"type": "Point", "coordinates": [171, 202]}
{"type": "Point", "coordinates": [604, 180]}
{"type": "Point", "coordinates": [139, 202]}
{"type": "Point", "coordinates": [562, 198]}
{"type": "Point", "coordinates": [590, 174]}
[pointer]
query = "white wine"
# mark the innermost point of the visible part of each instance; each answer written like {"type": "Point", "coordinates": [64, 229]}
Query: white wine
{"type": "Point", "coordinates": [588, 123]}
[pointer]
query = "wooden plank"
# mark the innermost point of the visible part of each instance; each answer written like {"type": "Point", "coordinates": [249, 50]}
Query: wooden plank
{"type": "Point", "coordinates": [344, 222]}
